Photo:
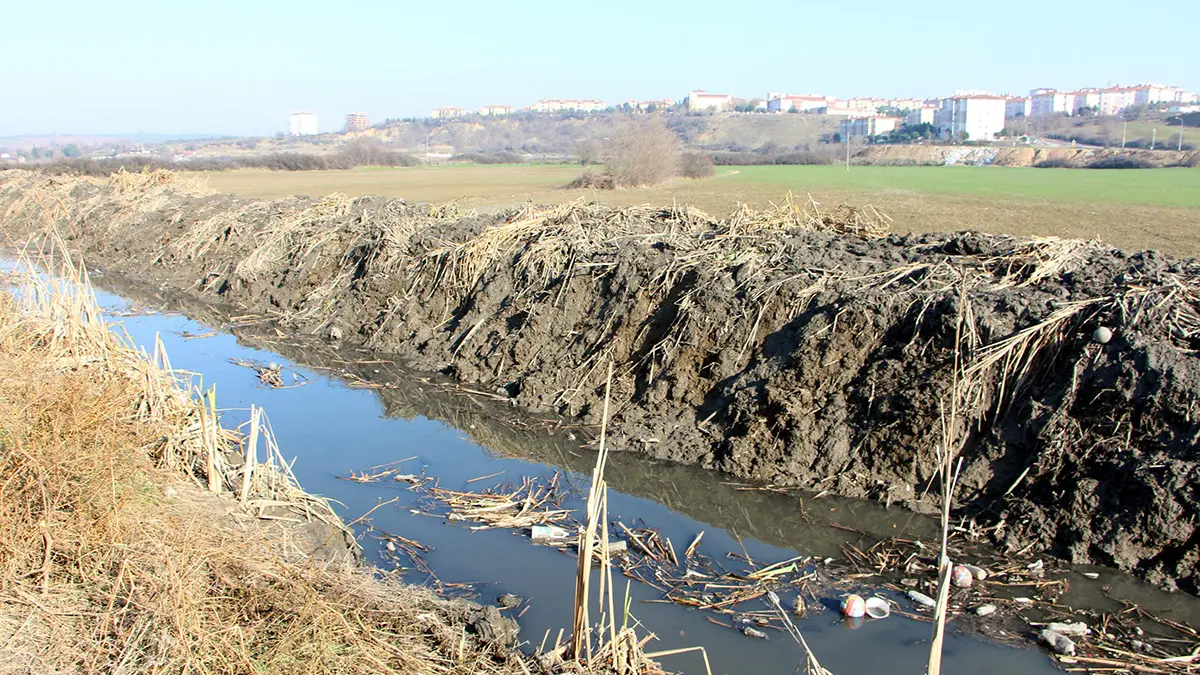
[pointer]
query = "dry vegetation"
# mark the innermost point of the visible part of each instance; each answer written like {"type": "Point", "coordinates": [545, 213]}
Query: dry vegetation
{"type": "Point", "coordinates": [128, 533]}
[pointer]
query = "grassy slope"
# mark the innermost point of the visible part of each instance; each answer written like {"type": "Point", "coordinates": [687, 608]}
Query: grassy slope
{"type": "Point", "coordinates": [1131, 209]}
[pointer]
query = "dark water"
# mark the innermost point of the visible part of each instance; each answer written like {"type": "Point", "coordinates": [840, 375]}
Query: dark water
{"type": "Point", "coordinates": [331, 429]}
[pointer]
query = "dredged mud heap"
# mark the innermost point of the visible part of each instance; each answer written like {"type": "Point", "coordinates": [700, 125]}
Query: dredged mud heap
{"type": "Point", "coordinates": [785, 346]}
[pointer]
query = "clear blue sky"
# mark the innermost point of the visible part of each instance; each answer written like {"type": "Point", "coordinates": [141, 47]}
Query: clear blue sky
{"type": "Point", "coordinates": [241, 67]}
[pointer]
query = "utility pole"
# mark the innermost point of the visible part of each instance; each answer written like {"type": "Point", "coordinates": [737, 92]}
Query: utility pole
{"type": "Point", "coordinates": [1180, 132]}
{"type": "Point", "coordinates": [1124, 129]}
{"type": "Point", "coordinates": [1153, 137]}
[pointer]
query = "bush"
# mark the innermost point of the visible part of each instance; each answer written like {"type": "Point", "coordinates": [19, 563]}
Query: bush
{"type": "Point", "coordinates": [1120, 162]}
{"type": "Point", "coordinates": [1055, 163]}
{"type": "Point", "coordinates": [502, 157]}
{"type": "Point", "coordinates": [695, 165]}
{"type": "Point", "coordinates": [643, 153]}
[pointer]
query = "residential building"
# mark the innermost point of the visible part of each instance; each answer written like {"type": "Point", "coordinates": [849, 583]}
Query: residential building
{"type": "Point", "coordinates": [1150, 94]}
{"type": "Point", "coordinates": [698, 99]}
{"type": "Point", "coordinates": [866, 127]}
{"type": "Point", "coordinates": [567, 105]}
{"type": "Point", "coordinates": [1015, 106]}
{"type": "Point", "coordinates": [357, 122]}
{"type": "Point", "coordinates": [1049, 102]}
{"type": "Point", "coordinates": [649, 106]}
{"type": "Point", "coordinates": [923, 114]}
{"type": "Point", "coordinates": [974, 117]}
{"type": "Point", "coordinates": [791, 102]}
{"type": "Point", "coordinates": [1113, 100]}
{"type": "Point", "coordinates": [868, 106]}
{"type": "Point", "coordinates": [494, 110]}
{"type": "Point", "coordinates": [446, 113]}
{"type": "Point", "coordinates": [1082, 99]}
{"type": "Point", "coordinates": [840, 108]}
{"type": "Point", "coordinates": [906, 103]}
{"type": "Point", "coordinates": [302, 124]}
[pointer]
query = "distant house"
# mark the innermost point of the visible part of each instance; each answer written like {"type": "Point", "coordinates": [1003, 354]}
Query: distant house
{"type": "Point", "coordinates": [1150, 94]}
{"type": "Point", "coordinates": [446, 113]}
{"type": "Point", "coordinates": [494, 110]}
{"type": "Point", "coordinates": [700, 100]}
{"type": "Point", "coordinates": [971, 116]}
{"type": "Point", "coordinates": [302, 124]}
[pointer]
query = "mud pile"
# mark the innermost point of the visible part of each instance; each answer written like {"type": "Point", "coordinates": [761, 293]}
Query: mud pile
{"type": "Point", "coordinates": [780, 347]}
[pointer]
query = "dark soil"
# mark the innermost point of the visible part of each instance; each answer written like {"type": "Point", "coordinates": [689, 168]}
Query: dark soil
{"type": "Point", "coordinates": [757, 345]}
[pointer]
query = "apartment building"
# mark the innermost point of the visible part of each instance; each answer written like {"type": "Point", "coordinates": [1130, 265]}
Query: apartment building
{"type": "Point", "coordinates": [924, 114]}
{"type": "Point", "coordinates": [567, 105]}
{"type": "Point", "coordinates": [302, 124]}
{"type": "Point", "coordinates": [357, 121]}
{"type": "Point", "coordinates": [1015, 106]}
{"type": "Point", "coordinates": [975, 117]}
{"type": "Point", "coordinates": [1113, 100]}
{"type": "Point", "coordinates": [1049, 102]}
{"type": "Point", "coordinates": [494, 110]}
{"type": "Point", "coordinates": [794, 102]}
{"type": "Point", "coordinates": [698, 99]}
{"type": "Point", "coordinates": [866, 127]}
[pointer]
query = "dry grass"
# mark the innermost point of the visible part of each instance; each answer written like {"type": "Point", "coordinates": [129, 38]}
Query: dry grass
{"type": "Point", "coordinates": [110, 564]}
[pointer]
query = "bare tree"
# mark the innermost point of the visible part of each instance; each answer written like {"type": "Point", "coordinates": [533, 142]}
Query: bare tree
{"type": "Point", "coordinates": [588, 151]}
{"type": "Point", "coordinates": [643, 152]}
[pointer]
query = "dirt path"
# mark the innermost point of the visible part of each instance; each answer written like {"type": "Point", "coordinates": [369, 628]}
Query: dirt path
{"type": "Point", "coordinates": [766, 345]}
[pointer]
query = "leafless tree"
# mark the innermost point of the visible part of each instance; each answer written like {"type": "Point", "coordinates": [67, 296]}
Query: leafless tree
{"type": "Point", "coordinates": [643, 152]}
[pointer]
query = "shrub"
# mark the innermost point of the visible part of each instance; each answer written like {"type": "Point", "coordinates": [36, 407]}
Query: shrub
{"type": "Point", "coordinates": [643, 153]}
{"type": "Point", "coordinates": [1055, 163]}
{"type": "Point", "coordinates": [695, 165]}
{"type": "Point", "coordinates": [1120, 162]}
{"type": "Point", "coordinates": [502, 157]}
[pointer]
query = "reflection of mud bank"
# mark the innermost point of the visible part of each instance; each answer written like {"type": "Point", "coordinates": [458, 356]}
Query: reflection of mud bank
{"type": "Point", "coordinates": [756, 346]}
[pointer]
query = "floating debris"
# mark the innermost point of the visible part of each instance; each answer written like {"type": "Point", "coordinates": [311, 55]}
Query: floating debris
{"type": "Point", "coordinates": [1061, 644]}
{"type": "Point", "coordinates": [271, 374]}
{"type": "Point", "coordinates": [537, 501]}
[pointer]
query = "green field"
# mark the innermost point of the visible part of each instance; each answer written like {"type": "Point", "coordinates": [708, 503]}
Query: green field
{"type": "Point", "coordinates": [1132, 209]}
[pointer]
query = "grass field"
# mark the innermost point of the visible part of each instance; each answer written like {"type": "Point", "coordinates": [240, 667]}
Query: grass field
{"type": "Point", "coordinates": [1131, 209]}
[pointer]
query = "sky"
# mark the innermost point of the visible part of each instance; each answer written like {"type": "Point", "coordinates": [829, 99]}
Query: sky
{"type": "Point", "coordinates": [239, 68]}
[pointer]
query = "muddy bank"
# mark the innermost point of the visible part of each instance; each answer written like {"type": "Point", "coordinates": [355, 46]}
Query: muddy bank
{"type": "Point", "coordinates": [759, 346]}
{"type": "Point", "coordinates": [890, 155]}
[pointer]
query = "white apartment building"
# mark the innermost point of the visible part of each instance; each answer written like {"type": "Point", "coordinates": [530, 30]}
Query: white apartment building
{"type": "Point", "coordinates": [1115, 99]}
{"type": "Point", "coordinates": [1015, 106]}
{"type": "Point", "coordinates": [794, 102]}
{"type": "Point", "coordinates": [1084, 98]}
{"type": "Point", "coordinates": [974, 117]}
{"type": "Point", "coordinates": [865, 127]}
{"type": "Point", "coordinates": [1049, 102]}
{"type": "Point", "coordinates": [923, 114]}
{"type": "Point", "coordinates": [493, 110]}
{"type": "Point", "coordinates": [302, 124]}
{"type": "Point", "coordinates": [698, 99]}
{"type": "Point", "coordinates": [1149, 94]}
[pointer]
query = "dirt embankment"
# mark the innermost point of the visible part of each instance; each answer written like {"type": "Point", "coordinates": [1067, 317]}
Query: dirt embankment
{"type": "Point", "coordinates": [766, 345]}
{"type": "Point", "coordinates": [1018, 156]}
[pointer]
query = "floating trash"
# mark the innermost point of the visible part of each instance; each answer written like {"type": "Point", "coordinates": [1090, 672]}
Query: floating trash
{"type": "Point", "coordinates": [984, 610]}
{"type": "Point", "coordinates": [961, 576]}
{"type": "Point", "coordinates": [878, 608]}
{"type": "Point", "coordinates": [854, 606]}
{"type": "Point", "coordinates": [922, 599]}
